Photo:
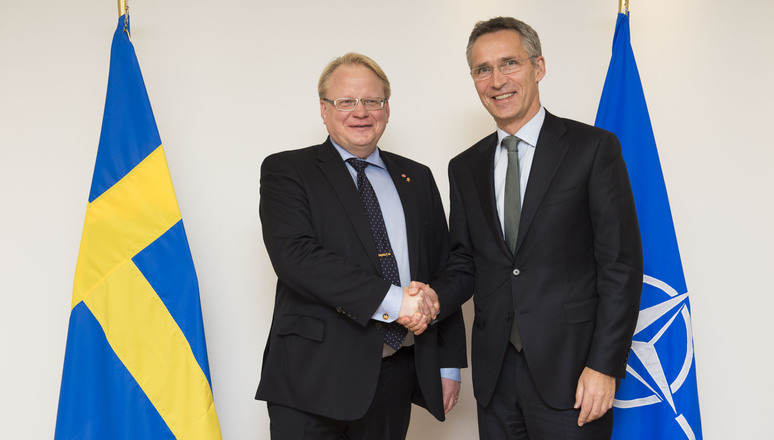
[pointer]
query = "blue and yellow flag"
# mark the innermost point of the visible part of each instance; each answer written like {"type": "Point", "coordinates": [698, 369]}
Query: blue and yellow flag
{"type": "Point", "coordinates": [658, 398]}
{"type": "Point", "coordinates": [136, 361]}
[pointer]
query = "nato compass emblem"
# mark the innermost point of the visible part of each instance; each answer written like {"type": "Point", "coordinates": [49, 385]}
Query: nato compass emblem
{"type": "Point", "coordinates": [661, 358]}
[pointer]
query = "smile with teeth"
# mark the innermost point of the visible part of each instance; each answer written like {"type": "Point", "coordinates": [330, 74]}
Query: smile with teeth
{"type": "Point", "coordinates": [507, 95]}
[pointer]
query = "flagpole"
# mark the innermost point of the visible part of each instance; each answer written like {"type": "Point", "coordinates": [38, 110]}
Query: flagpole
{"type": "Point", "coordinates": [122, 7]}
{"type": "Point", "coordinates": [623, 6]}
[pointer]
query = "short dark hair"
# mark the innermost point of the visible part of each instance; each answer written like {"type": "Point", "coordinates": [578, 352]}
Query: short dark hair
{"type": "Point", "coordinates": [529, 38]}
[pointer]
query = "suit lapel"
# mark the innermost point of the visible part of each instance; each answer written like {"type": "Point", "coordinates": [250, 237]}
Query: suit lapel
{"type": "Point", "coordinates": [549, 152]}
{"type": "Point", "coordinates": [408, 198]}
{"type": "Point", "coordinates": [335, 170]}
{"type": "Point", "coordinates": [483, 177]}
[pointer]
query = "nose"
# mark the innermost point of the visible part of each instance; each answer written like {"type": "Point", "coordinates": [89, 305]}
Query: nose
{"type": "Point", "coordinates": [360, 110]}
{"type": "Point", "coordinates": [498, 78]}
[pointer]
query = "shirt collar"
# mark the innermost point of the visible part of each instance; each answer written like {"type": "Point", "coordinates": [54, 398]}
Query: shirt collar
{"type": "Point", "coordinates": [374, 159]}
{"type": "Point", "coordinates": [530, 132]}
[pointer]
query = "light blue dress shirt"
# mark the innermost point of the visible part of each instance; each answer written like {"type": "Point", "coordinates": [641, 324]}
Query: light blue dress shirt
{"type": "Point", "coordinates": [395, 222]}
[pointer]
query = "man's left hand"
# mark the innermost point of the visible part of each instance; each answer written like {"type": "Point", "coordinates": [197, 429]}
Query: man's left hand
{"type": "Point", "coordinates": [451, 393]}
{"type": "Point", "coordinates": [430, 306]}
{"type": "Point", "coordinates": [594, 395]}
{"type": "Point", "coordinates": [426, 310]}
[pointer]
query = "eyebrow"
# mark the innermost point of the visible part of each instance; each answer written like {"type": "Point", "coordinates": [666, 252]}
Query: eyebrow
{"type": "Point", "coordinates": [510, 57]}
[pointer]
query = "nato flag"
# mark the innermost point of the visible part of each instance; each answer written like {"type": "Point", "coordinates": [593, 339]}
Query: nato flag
{"type": "Point", "coordinates": [658, 398]}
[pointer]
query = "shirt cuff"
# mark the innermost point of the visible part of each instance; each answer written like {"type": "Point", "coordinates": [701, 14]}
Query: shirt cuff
{"type": "Point", "coordinates": [451, 373]}
{"type": "Point", "coordinates": [390, 307]}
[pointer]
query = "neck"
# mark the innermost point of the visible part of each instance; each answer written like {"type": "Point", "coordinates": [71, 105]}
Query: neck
{"type": "Point", "coordinates": [361, 153]}
{"type": "Point", "coordinates": [514, 125]}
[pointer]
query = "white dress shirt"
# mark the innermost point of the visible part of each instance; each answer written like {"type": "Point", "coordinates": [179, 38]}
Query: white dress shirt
{"type": "Point", "coordinates": [528, 134]}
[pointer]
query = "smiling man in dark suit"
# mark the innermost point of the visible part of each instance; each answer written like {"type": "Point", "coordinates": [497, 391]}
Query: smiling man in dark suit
{"type": "Point", "coordinates": [542, 217]}
{"type": "Point", "coordinates": [347, 227]}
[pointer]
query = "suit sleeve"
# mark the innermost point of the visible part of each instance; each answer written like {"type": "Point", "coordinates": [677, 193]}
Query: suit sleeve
{"type": "Point", "coordinates": [618, 258]}
{"type": "Point", "coordinates": [452, 348]}
{"type": "Point", "coordinates": [454, 284]}
{"type": "Point", "coordinates": [300, 261]}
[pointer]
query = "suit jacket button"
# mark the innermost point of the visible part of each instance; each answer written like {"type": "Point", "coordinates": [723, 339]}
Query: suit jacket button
{"type": "Point", "coordinates": [516, 272]}
{"type": "Point", "coordinates": [378, 325]}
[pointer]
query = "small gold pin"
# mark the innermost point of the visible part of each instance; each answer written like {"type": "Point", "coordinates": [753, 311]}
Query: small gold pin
{"type": "Point", "coordinates": [386, 254]}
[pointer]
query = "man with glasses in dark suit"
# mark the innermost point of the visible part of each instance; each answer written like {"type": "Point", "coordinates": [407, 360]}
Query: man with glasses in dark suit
{"type": "Point", "coordinates": [347, 227]}
{"type": "Point", "coordinates": [543, 219]}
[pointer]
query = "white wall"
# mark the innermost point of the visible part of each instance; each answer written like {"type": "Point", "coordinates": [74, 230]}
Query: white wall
{"type": "Point", "coordinates": [233, 81]}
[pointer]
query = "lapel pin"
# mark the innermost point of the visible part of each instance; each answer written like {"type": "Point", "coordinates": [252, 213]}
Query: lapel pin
{"type": "Point", "coordinates": [408, 179]}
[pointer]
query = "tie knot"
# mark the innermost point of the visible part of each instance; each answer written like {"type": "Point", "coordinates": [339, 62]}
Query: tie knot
{"type": "Point", "coordinates": [358, 164]}
{"type": "Point", "coordinates": [511, 143]}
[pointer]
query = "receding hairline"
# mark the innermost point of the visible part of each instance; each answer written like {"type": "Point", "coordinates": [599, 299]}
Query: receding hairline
{"type": "Point", "coordinates": [350, 59]}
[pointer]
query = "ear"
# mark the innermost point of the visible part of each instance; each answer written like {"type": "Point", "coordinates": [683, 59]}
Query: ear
{"type": "Point", "coordinates": [387, 111]}
{"type": "Point", "coordinates": [540, 68]}
{"type": "Point", "coordinates": [322, 110]}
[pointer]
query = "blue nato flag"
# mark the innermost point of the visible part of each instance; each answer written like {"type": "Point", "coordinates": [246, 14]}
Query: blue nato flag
{"type": "Point", "coordinates": [658, 399]}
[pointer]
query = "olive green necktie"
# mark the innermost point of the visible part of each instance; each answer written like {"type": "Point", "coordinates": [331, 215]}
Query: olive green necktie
{"type": "Point", "coordinates": [512, 192]}
{"type": "Point", "coordinates": [512, 211]}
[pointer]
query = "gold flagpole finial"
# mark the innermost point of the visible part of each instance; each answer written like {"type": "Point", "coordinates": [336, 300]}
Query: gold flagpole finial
{"type": "Point", "coordinates": [122, 7]}
{"type": "Point", "coordinates": [123, 11]}
{"type": "Point", "coordinates": [623, 6]}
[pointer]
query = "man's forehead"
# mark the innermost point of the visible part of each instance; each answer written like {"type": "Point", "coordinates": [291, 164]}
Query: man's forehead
{"type": "Point", "coordinates": [353, 72]}
{"type": "Point", "coordinates": [352, 69]}
{"type": "Point", "coordinates": [501, 46]}
{"type": "Point", "coordinates": [349, 78]}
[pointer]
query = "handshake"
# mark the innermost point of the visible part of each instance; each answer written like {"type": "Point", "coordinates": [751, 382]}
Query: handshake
{"type": "Point", "coordinates": [420, 306]}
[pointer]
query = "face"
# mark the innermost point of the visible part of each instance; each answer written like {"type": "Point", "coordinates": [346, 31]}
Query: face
{"type": "Point", "coordinates": [511, 99]}
{"type": "Point", "coordinates": [357, 131]}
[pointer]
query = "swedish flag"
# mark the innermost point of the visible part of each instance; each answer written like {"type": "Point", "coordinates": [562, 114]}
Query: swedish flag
{"type": "Point", "coordinates": [658, 399]}
{"type": "Point", "coordinates": [136, 361]}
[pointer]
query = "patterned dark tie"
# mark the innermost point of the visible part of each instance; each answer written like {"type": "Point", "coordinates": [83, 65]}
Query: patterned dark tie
{"type": "Point", "coordinates": [512, 210]}
{"type": "Point", "coordinates": [394, 332]}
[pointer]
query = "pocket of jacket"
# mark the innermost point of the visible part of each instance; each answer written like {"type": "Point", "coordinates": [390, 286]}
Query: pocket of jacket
{"type": "Point", "coordinates": [556, 197]}
{"type": "Point", "coordinates": [479, 322]}
{"type": "Point", "coordinates": [304, 326]}
{"type": "Point", "coordinates": [581, 311]}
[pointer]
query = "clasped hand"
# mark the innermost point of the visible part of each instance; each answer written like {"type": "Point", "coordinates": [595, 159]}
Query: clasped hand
{"type": "Point", "coordinates": [419, 307]}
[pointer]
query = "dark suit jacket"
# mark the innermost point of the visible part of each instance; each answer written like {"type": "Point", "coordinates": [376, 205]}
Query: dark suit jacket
{"type": "Point", "coordinates": [574, 282]}
{"type": "Point", "coordinates": [324, 353]}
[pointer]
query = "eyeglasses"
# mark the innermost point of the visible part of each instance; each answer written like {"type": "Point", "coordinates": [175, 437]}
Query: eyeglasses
{"type": "Point", "coordinates": [506, 67]}
{"type": "Point", "coordinates": [349, 104]}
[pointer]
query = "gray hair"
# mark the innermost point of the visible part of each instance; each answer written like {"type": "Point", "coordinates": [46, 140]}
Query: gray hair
{"type": "Point", "coordinates": [529, 38]}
